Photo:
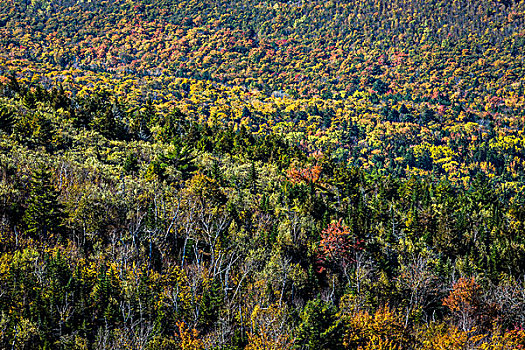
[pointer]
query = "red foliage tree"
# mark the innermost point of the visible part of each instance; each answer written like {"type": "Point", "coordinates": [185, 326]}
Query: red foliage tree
{"type": "Point", "coordinates": [338, 246]}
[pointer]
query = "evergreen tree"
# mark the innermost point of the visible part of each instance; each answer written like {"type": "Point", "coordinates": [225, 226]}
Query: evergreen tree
{"type": "Point", "coordinates": [7, 119]}
{"type": "Point", "coordinates": [253, 178]}
{"type": "Point", "coordinates": [210, 306]}
{"type": "Point", "coordinates": [318, 329]}
{"type": "Point", "coordinates": [43, 131]}
{"type": "Point", "coordinates": [106, 124]}
{"type": "Point", "coordinates": [43, 216]}
{"type": "Point", "coordinates": [13, 87]}
{"type": "Point", "coordinates": [59, 98]}
{"type": "Point", "coordinates": [131, 164]}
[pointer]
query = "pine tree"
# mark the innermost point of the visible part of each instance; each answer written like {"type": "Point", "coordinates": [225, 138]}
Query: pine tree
{"type": "Point", "coordinates": [59, 98]}
{"type": "Point", "coordinates": [43, 216]}
{"type": "Point", "coordinates": [106, 124]}
{"type": "Point", "coordinates": [253, 178]}
{"type": "Point", "coordinates": [43, 131]}
{"type": "Point", "coordinates": [131, 164]}
{"type": "Point", "coordinates": [211, 304]}
{"type": "Point", "coordinates": [13, 86]}
{"type": "Point", "coordinates": [7, 119]}
{"type": "Point", "coordinates": [318, 328]}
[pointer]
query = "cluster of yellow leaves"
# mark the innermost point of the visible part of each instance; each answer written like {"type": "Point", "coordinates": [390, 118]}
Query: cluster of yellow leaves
{"type": "Point", "coordinates": [385, 329]}
{"type": "Point", "coordinates": [443, 336]}
{"type": "Point", "coordinates": [268, 329]}
{"type": "Point", "coordinates": [189, 338]}
{"type": "Point", "coordinates": [381, 330]}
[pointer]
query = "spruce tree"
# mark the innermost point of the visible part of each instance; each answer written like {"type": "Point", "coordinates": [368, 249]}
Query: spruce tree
{"type": "Point", "coordinates": [7, 119]}
{"type": "Point", "coordinates": [318, 329]}
{"type": "Point", "coordinates": [105, 123]}
{"type": "Point", "coordinates": [253, 178]}
{"type": "Point", "coordinates": [43, 216]}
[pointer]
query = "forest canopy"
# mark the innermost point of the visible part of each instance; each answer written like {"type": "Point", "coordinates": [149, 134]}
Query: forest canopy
{"type": "Point", "coordinates": [262, 175]}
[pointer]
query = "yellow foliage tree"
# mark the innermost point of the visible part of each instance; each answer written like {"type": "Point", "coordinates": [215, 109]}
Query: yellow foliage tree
{"type": "Point", "coordinates": [189, 338]}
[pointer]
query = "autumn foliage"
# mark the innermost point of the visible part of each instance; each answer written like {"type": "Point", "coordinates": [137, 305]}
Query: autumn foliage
{"type": "Point", "coordinates": [310, 175]}
{"type": "Point", "coordinates": [199, 174]}
{"type": "Point", "coordinates": [338, 245]}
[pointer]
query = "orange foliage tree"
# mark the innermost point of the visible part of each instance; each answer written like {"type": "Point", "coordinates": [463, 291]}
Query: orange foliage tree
{"type": "Point", "coordinates": [310, 175]}
{"type": "Point", "coordinates": [466, 303]}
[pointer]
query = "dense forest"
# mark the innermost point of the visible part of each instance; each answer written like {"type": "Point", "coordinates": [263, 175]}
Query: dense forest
{"type": "Point", "coordinates": [262, 175]}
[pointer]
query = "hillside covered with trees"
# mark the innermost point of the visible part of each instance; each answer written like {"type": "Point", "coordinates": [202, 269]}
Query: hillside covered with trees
{"type": "Point", "coordinates": [262, 175]}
